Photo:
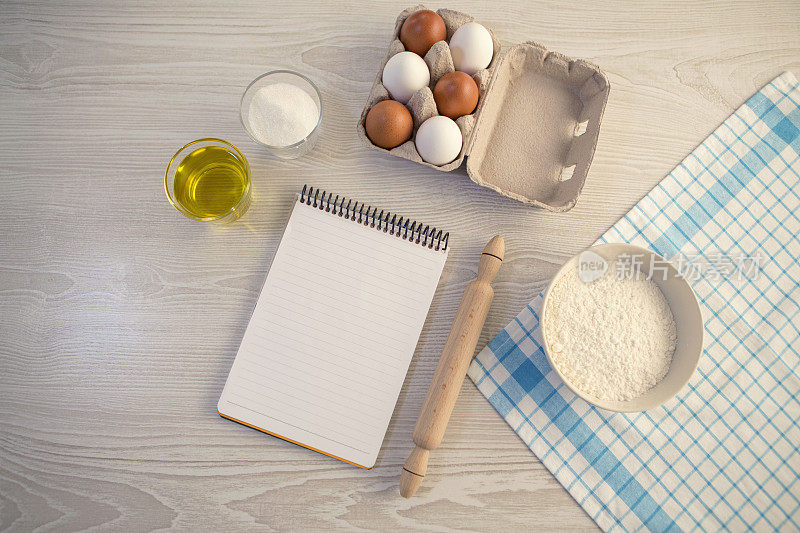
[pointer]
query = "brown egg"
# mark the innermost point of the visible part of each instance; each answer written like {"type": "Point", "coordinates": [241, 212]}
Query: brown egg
{"type": "Point", "coordinates": [389, 124]}
{"type": "Point", "coordinates": [421, 30]}
{"type": "Point", "coordinates": [456, 94]}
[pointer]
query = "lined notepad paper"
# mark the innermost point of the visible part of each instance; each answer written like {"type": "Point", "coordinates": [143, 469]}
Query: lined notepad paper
{"type": "Point", "coordinates": [327, 349]}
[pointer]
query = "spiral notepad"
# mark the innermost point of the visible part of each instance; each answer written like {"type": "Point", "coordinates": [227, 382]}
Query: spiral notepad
{"type": "Point", "coordinates": [328, 346]}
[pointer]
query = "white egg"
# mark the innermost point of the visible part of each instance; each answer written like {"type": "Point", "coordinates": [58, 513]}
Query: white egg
{"type": "Point", "coordinates": [472, 48]}
{"type": "Point", "coordinates": [404, 74]}
{"type": "Point", "coordinates": [438, 140]}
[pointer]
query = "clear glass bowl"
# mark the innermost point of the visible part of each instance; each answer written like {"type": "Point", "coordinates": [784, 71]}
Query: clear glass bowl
{"type": "Point", "coordinates": [236, 211]}
{"type": "Point", "coordinates": [300, 148]}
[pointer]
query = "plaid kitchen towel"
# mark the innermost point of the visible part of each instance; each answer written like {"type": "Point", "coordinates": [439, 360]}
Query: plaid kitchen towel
{"type": "Point", "coordinates": [723, 454]}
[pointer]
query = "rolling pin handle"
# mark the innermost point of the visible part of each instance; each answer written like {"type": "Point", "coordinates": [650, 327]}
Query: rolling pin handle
{"type": "Point", "coordinates": [413, 471]}
{"type": "Point", "coordinates": [491, 259]}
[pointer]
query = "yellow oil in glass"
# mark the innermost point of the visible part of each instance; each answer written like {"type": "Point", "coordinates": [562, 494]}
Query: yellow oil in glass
{"type": "Point", "coordinates": [210, 181]}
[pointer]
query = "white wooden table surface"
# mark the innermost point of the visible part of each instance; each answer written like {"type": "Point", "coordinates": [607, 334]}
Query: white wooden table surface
{"type": "Point", "coordinates": [119, 319]}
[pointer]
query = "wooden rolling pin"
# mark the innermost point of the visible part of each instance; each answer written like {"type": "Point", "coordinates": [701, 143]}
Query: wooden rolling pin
{"type": "Point", "coordinates": [456, 356]}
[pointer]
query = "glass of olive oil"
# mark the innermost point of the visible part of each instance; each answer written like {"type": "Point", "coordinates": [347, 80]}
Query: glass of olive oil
{"type": "Point", "coordinates": [209, 180]}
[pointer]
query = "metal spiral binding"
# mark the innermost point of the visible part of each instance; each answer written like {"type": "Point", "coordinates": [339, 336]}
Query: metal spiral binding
{"type": "Point", "coordinates": [385, 221]}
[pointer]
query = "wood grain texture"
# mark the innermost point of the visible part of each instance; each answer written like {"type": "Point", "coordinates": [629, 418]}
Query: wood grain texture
{"type": "Point", "coordinates": [119, 319]}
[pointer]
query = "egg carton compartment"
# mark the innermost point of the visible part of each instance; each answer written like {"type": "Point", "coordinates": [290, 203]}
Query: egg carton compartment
{"type": "Point", "coordinates": [422, 104]}
{"type": "Point", "coordinates": [533, 134]}
{"type": "Point", "coordinates": [538, 129]}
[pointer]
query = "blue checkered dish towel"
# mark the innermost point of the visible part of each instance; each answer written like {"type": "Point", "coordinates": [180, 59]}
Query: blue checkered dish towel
{"type": "Point", "coordinates": [724, 453]}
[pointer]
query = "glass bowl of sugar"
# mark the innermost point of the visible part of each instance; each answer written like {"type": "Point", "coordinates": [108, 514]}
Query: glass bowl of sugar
{"type": "Point", "coordinates": [282, 111]}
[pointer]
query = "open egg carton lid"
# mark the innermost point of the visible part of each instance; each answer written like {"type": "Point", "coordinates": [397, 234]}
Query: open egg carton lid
{"type": "Point", "coordinates": [533, 134]}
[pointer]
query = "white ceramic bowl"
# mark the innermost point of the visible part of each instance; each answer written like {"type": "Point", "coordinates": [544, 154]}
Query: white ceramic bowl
{"type": "Point", "coordinates": [688, 321]}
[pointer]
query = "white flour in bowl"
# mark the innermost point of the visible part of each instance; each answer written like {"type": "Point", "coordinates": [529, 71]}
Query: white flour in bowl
{"type": "Point", "coordinates": [612, 338]}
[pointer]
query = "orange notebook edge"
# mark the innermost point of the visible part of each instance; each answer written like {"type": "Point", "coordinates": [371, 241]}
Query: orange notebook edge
{"type": "Point", "coordinates": [292, 441]}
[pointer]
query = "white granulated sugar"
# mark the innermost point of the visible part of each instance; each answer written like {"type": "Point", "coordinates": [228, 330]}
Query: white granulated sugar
{"type": "Point", "coordinates": [282, 114]}
{"type": "Point", "coordinates": [613, 338]}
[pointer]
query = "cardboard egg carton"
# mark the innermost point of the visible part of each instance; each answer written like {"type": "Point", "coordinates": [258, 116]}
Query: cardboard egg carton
{"type": "Point", "coordinates": [533, 134]}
